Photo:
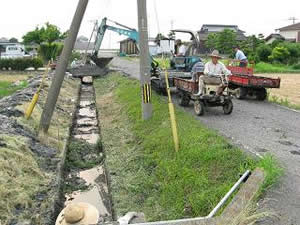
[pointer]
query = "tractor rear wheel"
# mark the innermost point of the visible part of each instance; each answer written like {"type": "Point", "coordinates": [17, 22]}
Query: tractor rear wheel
{"type": "Point", "coordinates": [261, 94]}
{"type": "Point", "coordinates": [184, 99]}
{"type": "Point", "coordinates": [241, 93]}
{"type": "Point", "coordinates": [199, 108]}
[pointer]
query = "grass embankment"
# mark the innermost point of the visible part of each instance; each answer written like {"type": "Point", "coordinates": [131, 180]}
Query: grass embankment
{"type": "Point", "coordinates": [147, 175]}
{"type": "Point", "coordinates": [26, 176]}
{"type": "Point", "coordinates": [274, 68]}
{"type": "Point", "coordinates": [8, 84]}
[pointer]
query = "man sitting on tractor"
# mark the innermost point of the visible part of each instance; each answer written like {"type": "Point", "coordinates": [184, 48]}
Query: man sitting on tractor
{"type": "Point", "coordinates": [213, 71]}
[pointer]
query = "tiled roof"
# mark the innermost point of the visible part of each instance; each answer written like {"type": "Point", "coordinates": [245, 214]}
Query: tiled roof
{"type": "Point", "coordinates": [295, 26]}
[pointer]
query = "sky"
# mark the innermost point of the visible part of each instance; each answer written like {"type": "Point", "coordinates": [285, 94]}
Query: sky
{"type": "Point", "coordinates": [19, 16]}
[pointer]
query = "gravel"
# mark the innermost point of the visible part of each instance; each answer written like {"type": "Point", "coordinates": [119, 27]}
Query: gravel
{"type": "Point", "coordinates": [258, 128]}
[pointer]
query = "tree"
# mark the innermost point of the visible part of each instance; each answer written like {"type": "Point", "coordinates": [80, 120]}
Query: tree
{"type": "Point", "coordinates": [34, 37]}
{"type": "Point", "coordinates": [13, 40]}
{"type": "Point", "coordinates": [51, 33]}
{"type": "Point", "coordinates": [211, 42]}
{"type": "Point", "coordinates": [263, 52]}
{"type": "Point", "coordinates": [171, 35]}
{"type": "Point", "coordinates": [45, 37]}
{"type": "Point", "coordinates": [226, 40]}
{"type": "Point", "coordinates": [159, 37]}
{"type": "Point", "coordinates": [48, 33]}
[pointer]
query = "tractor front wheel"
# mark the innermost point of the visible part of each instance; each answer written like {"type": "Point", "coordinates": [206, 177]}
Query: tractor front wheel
{"type": "Point", "coordinates": [228, 107]}
{"type": "Point", "coordinates": [199, 108]}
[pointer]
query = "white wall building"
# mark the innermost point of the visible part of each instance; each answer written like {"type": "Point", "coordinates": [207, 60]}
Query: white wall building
{"type": "Point", "coordinates": [291, 32]}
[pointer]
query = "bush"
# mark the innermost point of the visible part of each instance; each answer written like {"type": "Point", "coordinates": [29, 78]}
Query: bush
{"type": "Point", "coordinates": [279, 54]}
{"type": "Point", "coordinates": [294, 50]}
{"type": "Point", "coordinates": [20, 64]}
{"type": "Point", "coordinates": [296, 66]}
{"type": "Point", "coordinates": [50, 51]}
{"type": "Point", "coordinates": [263, 52]}
{"type": "Point", "coordinates": [75, 55]}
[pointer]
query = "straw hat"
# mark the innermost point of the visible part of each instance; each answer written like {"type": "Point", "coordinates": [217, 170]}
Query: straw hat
{"type": "Point", "coordinates": [78, 214]}
{"type": "Point", "coordinates": [215, 53]}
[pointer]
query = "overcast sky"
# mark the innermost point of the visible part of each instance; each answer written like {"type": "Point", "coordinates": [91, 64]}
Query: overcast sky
{"type": "Point", "coordinates": [19, 16]}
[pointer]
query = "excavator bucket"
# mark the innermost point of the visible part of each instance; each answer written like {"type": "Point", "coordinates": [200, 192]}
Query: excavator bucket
{"type": "Point", "coordinates": [92, 70]}
{"type": "Point", "coordinates": [102, 61]}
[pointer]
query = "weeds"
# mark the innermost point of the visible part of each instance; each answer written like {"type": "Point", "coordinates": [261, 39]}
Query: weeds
{"type": "Point", "coordinates": [161, 183]}
{"type": "Point", "coordinates": [282, 101]}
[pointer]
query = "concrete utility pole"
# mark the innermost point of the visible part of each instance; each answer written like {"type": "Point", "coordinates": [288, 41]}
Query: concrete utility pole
{"type": "Point", "coordinates": [62, 67]}
{"type": "Point", "coordinates": [144, 60]}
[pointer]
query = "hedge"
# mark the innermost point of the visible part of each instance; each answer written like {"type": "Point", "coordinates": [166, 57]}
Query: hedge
{"type": "Point", "coordinates": [20, 64]}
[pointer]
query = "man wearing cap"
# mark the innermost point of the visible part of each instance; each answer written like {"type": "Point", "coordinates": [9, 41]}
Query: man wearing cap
{"type": "Point", "coordinates": [213, 71]}
{"type": "Point", "coordinates": [240, 57]}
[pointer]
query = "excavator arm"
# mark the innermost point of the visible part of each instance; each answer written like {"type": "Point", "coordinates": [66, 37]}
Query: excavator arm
{"type": "Point", "coordinates": [129, 32]}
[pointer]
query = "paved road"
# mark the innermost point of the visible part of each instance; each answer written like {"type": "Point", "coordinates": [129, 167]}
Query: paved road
{"type": "Point", "coordinates": [260, 128]}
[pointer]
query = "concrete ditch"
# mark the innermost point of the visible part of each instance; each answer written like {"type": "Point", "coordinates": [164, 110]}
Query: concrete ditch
{"type": "Point", "coordinates": [85, 170]}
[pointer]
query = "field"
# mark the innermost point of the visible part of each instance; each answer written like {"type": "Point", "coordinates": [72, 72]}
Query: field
{"type": "Point", "coordinates": [7, 86]}
{"type": "Point", "coordinates": [289, 89]}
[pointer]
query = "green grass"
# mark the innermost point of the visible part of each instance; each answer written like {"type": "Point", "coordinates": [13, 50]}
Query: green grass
{"type": "Point", "coordinates": [7, 88]}
{"type": "Point", "coordinates": [158, 181]}
{"type": "Point", "coordinates": [274, 68]}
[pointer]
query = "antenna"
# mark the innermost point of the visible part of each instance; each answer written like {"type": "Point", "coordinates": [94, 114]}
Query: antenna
{"type": "Point", "coordinates": [293, 19]}
{"type": "Point", "coordinates": [172, 24]}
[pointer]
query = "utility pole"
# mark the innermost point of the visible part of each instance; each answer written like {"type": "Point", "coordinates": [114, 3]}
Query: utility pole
{"type": "Point", "coordinates": [144, 60]}
{"type": "Point", "coordinates": [62, 67]}
{"type": "Point", "coordinates": [293, 19]}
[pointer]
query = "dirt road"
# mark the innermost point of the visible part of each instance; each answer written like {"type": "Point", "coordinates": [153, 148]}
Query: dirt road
{"type": "Point", "coordinates": [260, 128]}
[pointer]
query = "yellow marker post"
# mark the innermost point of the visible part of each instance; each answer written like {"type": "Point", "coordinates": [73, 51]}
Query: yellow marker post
{"type": "Point", "coordinates": [36, 96]}
{"type": "Point", "coordinates": [172, 115]}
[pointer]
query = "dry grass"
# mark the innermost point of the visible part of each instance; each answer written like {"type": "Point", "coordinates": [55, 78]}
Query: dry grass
{"type": "Point", "coordinates": [13, 78]}
{"type": "Point", "coordinates": [20, 176]}
{"type": "Point", "coordinates": [251, 215]}
{"type": "Point", "coordinates": [289, 88]}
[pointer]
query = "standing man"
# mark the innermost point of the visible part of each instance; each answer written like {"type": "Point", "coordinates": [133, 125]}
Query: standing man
{"type": "Point", "coordinates": [180, 48]}
{"type": "Point", "coordinates": [213, 70]}
{"type": "Point", "coordinates": [240, 57]}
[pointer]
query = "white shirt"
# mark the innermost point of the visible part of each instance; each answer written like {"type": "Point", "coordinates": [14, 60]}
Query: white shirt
{"type": "Point", "coordinates": [215, 69]}
{"type": "Point", "coordinates": [239, 55]}
{"type": "Point", "coordinates": [181, 50]}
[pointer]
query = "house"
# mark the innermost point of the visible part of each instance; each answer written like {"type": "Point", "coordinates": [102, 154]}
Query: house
{"type": "Point", "coordinates": [207, 29]}
{"type": "Point", "coordinates": [273, 37]}
{"type": "Point", "coordinates": [82, 46]}
{"type": "Point", "coordinates": [128, 47]}
{"type": "Point", "coordinates": [291, 32]}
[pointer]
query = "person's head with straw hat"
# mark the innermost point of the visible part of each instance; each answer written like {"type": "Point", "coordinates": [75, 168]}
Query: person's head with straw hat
{"type": "Point", "coordinates": [215, 56]}
{"type": "Point", "coordinates": [78, 214]}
